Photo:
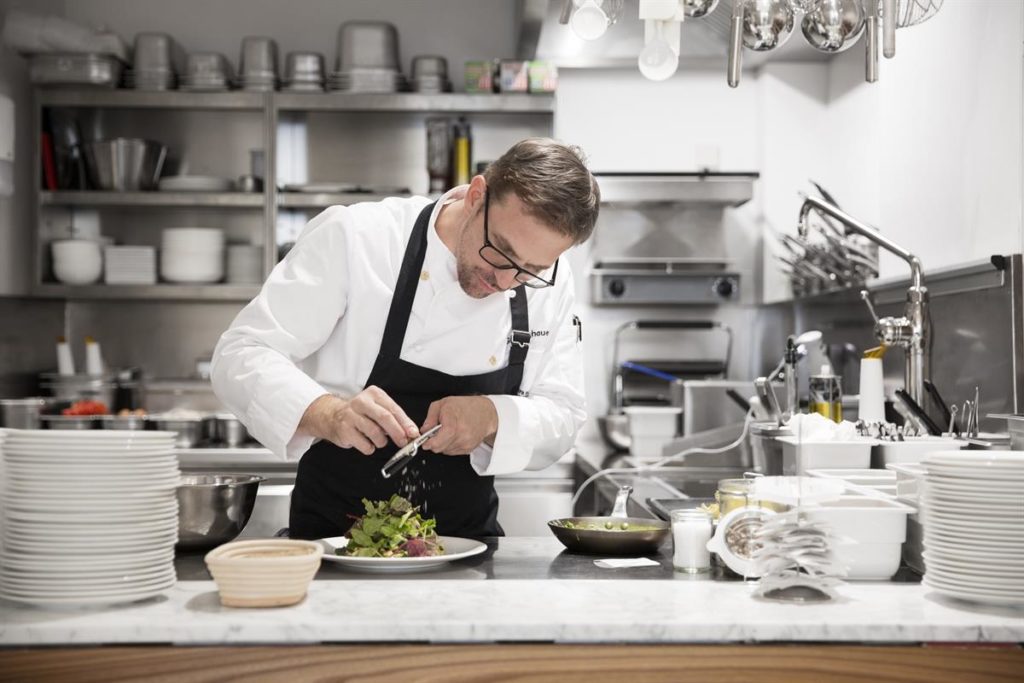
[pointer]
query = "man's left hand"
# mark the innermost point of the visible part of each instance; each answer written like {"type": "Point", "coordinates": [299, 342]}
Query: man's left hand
{"type": "Point", "coordinates": [466, 422]}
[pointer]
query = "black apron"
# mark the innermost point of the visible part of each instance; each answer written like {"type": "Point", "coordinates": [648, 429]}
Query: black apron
{"type": "Point", "coordinates": [331, 481]}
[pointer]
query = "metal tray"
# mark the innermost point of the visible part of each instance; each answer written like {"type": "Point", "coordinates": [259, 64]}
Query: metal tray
{"type": "Point", "coordinates": [71, 69]}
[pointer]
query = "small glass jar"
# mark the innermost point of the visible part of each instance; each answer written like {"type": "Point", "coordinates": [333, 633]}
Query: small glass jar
{"type": "Point", "coordinates": [691, 531]}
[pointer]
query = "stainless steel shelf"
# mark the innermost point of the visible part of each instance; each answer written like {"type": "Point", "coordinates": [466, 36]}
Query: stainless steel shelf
{"type": "Point", "coordinates": [224, 292]}
{"type": "Point", "coordinates": [519, 103]}
{"type": "Point", "coordinates": [712, 189]}
{"type": "Point", "coordinates": [185, 199]}
{"type": "Point", "coordinates": [167, 99]}
{"type": "Point", "coordinates": [522, 103]}
{"type": "Point", "coordinates": [298, 200]}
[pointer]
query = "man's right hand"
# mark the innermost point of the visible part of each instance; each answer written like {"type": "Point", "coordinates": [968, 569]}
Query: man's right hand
{"type": "Point", "coordinates": [364, 422]}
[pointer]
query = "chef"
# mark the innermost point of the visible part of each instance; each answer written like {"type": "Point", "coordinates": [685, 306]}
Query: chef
{"type": "Point", "coordinates": [389, 318]}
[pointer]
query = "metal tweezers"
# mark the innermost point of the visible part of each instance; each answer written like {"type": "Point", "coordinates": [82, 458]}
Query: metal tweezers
{"type": "Point", "coordinates": [399, 460]}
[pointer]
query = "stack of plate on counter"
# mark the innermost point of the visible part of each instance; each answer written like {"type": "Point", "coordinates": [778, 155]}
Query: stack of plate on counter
{"type": "Point", "coordinates": [192, 255]}
{"type": "Point", "coordinates": [973, 510]}
{"type": "Point", "coordinates": [89, 517]}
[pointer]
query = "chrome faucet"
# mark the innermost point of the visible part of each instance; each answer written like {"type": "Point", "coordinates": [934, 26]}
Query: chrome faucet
{"type": "Point", "coordinates": [912, 330]}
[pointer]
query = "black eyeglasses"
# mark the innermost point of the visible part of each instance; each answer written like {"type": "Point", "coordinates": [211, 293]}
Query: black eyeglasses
{"type": "Point", "coordinates": [497, 259]}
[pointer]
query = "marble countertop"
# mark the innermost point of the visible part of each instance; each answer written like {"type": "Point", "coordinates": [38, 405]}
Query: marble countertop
{"type": "Point", "coordinates": [523, 589]}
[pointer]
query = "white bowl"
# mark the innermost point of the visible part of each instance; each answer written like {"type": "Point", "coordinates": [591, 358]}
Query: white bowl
{"type": "Point", "coordinates": [659, 421]}
{"type": "Point", "coordinates": [77, 262]}
{"type": "Point", "coordinates": [194, 269]}
{"type": "Point", "coordinates": [192, 238]}
{"type": "Point", "coordinates": [264, 573]}
{"type": "Point", "coordinates": [876, 529]}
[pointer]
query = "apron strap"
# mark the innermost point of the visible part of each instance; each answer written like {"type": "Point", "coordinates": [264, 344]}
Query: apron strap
{"type": "Point", "coordinates": [519, 339]}
{"type": "Point", "coordinates": [405, 293]}
{"type": "Point", "coordinates": [405, 288]}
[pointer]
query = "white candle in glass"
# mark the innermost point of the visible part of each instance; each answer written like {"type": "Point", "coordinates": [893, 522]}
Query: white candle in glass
{"type": "Point", "coordinates": [691, 531]}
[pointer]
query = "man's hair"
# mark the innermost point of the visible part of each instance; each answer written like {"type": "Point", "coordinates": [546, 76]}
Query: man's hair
{"type": "Point", "coordinates": [551, 179]}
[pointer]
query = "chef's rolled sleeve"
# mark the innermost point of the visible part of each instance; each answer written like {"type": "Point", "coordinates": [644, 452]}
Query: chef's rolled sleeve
{"type": "Point", "coordinates": [255, 370]}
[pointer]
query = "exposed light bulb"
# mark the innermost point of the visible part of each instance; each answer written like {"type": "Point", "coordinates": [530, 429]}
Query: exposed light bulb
{"type": "Point", "coordinates": [589, 21]}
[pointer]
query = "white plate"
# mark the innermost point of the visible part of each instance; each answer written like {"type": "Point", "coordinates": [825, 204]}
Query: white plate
{"type": "Point", "coordinates": [995, 474]}
{"type": "Point", "coordinates": [971, 564]}
{"type": "Point", "coordinates": [321, 188]}
{"type": "Point", "coordinates": [984, 548]}
{"type": "Point", "coordinates": [68, 521]}
{"type": "Point", "coordinates": [94, 547]}
{"type": "Point", "coordinates": [59, 483]}
{"type": "Point", "coordinates": [1012, 528]}
{"type": "Point", "coordinates": [114, 453]}
{"type": "Point", "coordinates": [980, 581]}
{"type": "Point", "coordinates": [196, 183]}
{"type": "Point", "coordinates": [975, 487]}
{"type": "Point", "coordinates": [144, 464]}
{"type": "Point", "coordinates": [102, 597]}
{"type": "Point", "coordinates": [975, 460]}
{"type": "Point", "coordinates": [126, 560]}
{"type": "Point", "coordinates": [973, 500]}
{"type": "Point", "coordinates": [88, 436]}
{"type": "Point", "coordinates": [57, 535]}
{"type": "Point", "coordinates": [455, 549]}
{"type": "Point", "coordinates": [93, 581]}
{"type": "Point", "coordinates": [989, 597]}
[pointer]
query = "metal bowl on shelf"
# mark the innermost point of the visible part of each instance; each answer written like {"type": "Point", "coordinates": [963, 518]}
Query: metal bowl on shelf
{"type": "Point", "coordinates": [27, 413]}
{"type": "Point", "coordinates": [228, 429]}
{"type": "Point", "coordinates": [189, 430]}
{"type": "Point", "coordinates": [124, 422]}
{"type": "Point", "coordinates": [72, 422]}
{"type": "Point", "coordinates": [125, 164]}
{"type": "Point", "coordinates": [214, 508]}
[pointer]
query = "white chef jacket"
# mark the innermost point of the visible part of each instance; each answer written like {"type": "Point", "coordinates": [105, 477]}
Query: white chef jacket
{"type": "Point", "coordinates": [316, 327]}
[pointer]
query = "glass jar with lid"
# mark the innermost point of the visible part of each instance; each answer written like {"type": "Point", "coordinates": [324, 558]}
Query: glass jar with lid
{"type": "Point", "coordinates": [733, 494]}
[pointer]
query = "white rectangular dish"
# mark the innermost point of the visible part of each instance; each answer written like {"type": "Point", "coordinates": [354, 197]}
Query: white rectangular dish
{"type": "Point", "coordinates": [798, 457]}
{"type": "Point", "coordinates": [870, 533]}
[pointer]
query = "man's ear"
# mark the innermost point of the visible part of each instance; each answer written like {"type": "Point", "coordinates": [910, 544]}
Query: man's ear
{"type": "Point", "coordinates": [475, 195]}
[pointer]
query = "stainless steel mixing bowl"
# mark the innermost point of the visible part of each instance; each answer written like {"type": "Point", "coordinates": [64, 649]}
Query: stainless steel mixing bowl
{"type": "Point", "coordinates": [214, 508]}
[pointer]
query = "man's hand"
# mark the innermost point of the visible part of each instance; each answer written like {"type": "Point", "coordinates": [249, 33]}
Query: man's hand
{"type": "Point", "coordinates": [364, 422]}
{"type": "Point", "coordinates": [466, 422]}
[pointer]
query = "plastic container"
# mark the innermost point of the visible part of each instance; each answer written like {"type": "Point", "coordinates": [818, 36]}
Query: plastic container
{"type": "Point", "coordinates": [798, 457]}
{"type": "Point", "coordinates": [912, 450]}
{"type": "Point", "coordinates": [869, 534]}
{"type": "Point", "coordinates": [653, 421]}
{"type": "Point", "coordinates": [909, 480]}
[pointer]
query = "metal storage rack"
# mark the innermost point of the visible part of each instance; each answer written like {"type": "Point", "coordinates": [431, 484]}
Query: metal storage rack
{"type": "Point", "coordinates": [382, 108]}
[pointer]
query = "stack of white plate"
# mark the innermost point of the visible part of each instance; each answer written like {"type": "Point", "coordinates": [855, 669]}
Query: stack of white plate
{"type": "Point", "coordinates": [973, 511]}
{"type": "Point", "coordinates": [130, 265]}
{"type": "Point", "coordinates": [367, 80]}
{"type": "Point", "coordinates": [245, 264]}
{"type": "Point", "coordinates": [192, 255]}
{"type": "Point", "coordinates": [89, 517]}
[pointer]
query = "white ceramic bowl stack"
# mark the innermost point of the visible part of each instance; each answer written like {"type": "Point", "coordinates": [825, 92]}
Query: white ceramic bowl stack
{"type": "Point", "coordinates": [192, 255]}
{"type": "Point", "coordinates": [89, 517]}
{"type": "Point", "coordinates": [245, 264]}
{"type": "Point", "coordinates": [973, 509]}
